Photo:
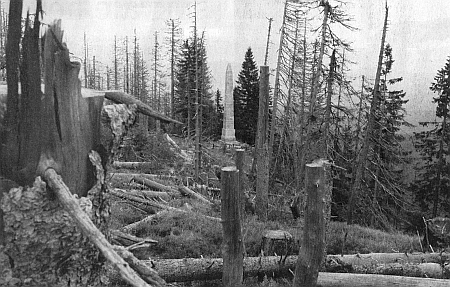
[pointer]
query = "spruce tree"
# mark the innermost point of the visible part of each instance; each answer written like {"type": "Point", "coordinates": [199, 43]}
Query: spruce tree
{"type": "Point", "coordinates": [432, 179]}
{"type": "Point", "coordinates": [246, 100]}
{"type": "Point", "coordinates": [185, 85]}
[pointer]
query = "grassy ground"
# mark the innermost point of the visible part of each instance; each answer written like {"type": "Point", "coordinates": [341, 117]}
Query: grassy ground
{"type": "Point", "coordinates": [181, 235]}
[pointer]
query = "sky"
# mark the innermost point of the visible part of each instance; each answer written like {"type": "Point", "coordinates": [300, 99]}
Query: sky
{"type": "Point", "coordinates": [418, 33]}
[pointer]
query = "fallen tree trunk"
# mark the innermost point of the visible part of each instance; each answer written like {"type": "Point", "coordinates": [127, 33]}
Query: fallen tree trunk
{"type": "Point", "coordinates": [90, 230]}
{"type": "Point", "coordinates": [130, 176]}
{"type": "Point", "coordinates": [141, 179]}
{"type": "Point", "coordinates": [148, 274]}
{"type": "Point", "coordinates": [174, 145]}
{"type": "Point", "coordinates": [130, 241]}
{"type": "Point", "coordinates": [186, 191]}
{"type": "Point", "coordinates": [414, 265]}
{"type": "Point", "coordinates": [124, 98]}
{"type": "Point", "coordinates": [369, 280]}
{"type": "Point", "coordinates": [131, 228]}
{"type": "Point", "coordinates": [154, 204]}
{"type": "Point", "coordinates": [151, 194]}
{"type": "Point", "coordinates": [132, 164]}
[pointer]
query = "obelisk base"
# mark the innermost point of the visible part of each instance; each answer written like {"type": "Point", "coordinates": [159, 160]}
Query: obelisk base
{"type": "Point", "coordinates": [228, 135]}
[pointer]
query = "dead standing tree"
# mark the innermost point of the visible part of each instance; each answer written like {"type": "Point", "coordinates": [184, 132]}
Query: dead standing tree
{"type": "Point", "coordinates": [362, 157]}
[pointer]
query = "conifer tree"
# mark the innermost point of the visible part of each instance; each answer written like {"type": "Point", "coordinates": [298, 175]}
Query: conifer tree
{"type": "Point", "coordinates": [246, 100]}
{"type": "Point", "coordinates": [432, 179]}
{"type": "Point", "coordinates": [185, 83]}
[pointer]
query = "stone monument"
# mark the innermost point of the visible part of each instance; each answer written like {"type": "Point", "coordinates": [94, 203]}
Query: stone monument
{"type": "Point", "coordinates": [228, 133]}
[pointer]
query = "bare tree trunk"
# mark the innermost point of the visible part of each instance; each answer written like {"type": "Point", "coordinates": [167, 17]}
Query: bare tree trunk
{"type": "Point", "coordinates": [9, 149]}
{"type": "Point", "coordinates": [172, 69]}
{"type": "Point", "coordinates": [127, 76]}
{"type": "Point", "coordinates": [327, 119]}
{"type": "Point", "coordinates": [268, 41]}
{"type": "Point", "coordinates": [116, 83]}
{"type": "Point", "coordinates": [262, 149]}
{"type": "Point", "coordinates": [277, 85]}
{"type": "Point", "coordinates": [298, 141]}
{"type": "Point", "coordinates": [362, 158]}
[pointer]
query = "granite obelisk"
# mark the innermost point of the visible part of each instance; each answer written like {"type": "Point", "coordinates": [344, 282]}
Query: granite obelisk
{"type": "Point", "coordinates": [228, 133]}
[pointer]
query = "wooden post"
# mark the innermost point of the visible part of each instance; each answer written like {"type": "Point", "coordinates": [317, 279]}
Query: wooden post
{"type": "Point", "coordinates": [239, 160]}
{"type": "Point", "coordinates": [312, 251]}
{"type": "Point", "coordinates": [262, 146]}
{"type": "Point", "coordinates": [232, 249]}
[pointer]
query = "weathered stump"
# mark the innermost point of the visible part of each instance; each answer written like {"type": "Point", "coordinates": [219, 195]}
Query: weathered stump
{"type": "Point", "coordinates": [312, 251]}
{"type": "Point", "coordinates": [277, 242]}
{"type": "Point", "coordinates": [233, 248]}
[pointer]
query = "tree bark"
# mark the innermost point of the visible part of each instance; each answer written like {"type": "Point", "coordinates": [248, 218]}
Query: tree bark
{"type": "Point", "coordinates": [239, 161]}
{"type": "Point", "coordinates": [89, 229]}
{"type": "Point", "coordinates": [369, 280]}
{"type": "Point", "coordinates": [190, 269]}
{"type": "Point", "coordinates": [9, 150]}
{"type": "Point", "coordinates": [232, 246]}
{"type": "Point", "coordinates": [262, 146]}
{"type": "Point", "coordinates": [313, 248]}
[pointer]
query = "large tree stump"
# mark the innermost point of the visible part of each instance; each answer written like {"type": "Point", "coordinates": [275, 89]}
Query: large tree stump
{"type": "Point", "coordinates": [233, 249]}
{"type": "Point", "coordinates": [277, 242]}
{"type": "Point", "coordinates": [312, 250]}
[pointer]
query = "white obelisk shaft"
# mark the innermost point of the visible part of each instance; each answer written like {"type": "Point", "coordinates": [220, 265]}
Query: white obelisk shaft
{"type": "Point", "coordinates": [228, 133]}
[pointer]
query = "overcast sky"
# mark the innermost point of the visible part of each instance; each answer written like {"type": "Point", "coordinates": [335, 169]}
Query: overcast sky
{"type": "Point", "coordinates": [418, 33]}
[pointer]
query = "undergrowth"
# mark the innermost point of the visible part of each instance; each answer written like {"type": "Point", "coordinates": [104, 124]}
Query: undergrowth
{"type": "Point", "coordinates": [190, 234]}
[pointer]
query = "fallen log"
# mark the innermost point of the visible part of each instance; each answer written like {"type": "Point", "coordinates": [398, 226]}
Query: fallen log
{"type": "Point", "coordinates": [130, 241]}
{"type": "Point", "coordinates": [151, 194]}
{"type": "Point", "coordinates": [132, 164]}
{"type": "Point", "coordinates": [124, 98]}
{"type": "Point", "coordinates": [385, 258]}
{"type": "Point", "coordinates": [417, 265]}
{"type": "Point", "coordinates": [154, 204]}
{"type": "Point", "coordinates": [129, 176]}
{"type": "Point", "coordinates": [141, 179]}
{"type": "Point", "coordinates": [180, 152]}
{"type": "Point", "coordinates": [90, 230]}
{"type": "Point", "coordinates": [148, 274]}
{"type": "Point", "coordinates": [186, 191]}
{"type": "Point", "coordinates": [154, 184]}
{"type": "Point", "coordinates": [369, 280]}
{"type": "Point", "coordinates": [131, 228]}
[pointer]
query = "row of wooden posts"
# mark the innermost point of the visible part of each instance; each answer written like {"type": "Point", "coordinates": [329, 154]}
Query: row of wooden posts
{"type": "Point", "coordinates": [317, 213]}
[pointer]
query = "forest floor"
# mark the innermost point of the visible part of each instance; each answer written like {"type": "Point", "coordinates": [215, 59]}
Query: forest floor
{"type": "Point", "coordinates": [190, 234]}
